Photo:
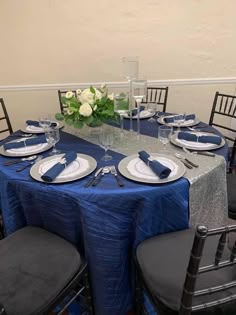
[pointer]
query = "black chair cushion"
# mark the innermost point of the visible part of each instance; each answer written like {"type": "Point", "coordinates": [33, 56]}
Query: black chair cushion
{"type": "Point", "coordinates": [163, 261]}
{"type": "Point", "coordinates": [35, 266]}
{"type": "Point", "coordinates": [231, 191]}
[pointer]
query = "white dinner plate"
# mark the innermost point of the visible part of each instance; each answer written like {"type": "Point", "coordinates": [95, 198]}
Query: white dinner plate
{"type": "Point", "coordinates": [25, 151]}
{"type": "Point", "coordinates": [143, 114]}
{"type": "Point", "coordinates": [34, 129]}
{"type": "Point", "coordinates": [187, 123]}
{"type": "Point", "coordinates": [79, 168]}
{"type": "Point", "coordinates": [134, 168]}
{"type": "Point", "coordinates": [198, 146]}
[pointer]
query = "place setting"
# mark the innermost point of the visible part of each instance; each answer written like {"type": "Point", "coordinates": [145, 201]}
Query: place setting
{"type": "Point", "coordinates": [39, 126]}
{"type": "Point", "coordinates": [178, 120]}
{"type": "Point", "coordinates": [197, 140]}
{"type": "Point", "coordinates": [151, 168]}
{"type": "Point", "coordinates": [63, 168]}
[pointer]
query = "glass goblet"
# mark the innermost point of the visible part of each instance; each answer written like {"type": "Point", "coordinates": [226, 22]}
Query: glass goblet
{"type": "Point", "coordinates": [164, 133]}
{"type": "Point", "coordinates": [152, 108]}
{"type": "Point", "coordinates": [52, 135]}
{"type": "Point", "coordinates": [106, 141]}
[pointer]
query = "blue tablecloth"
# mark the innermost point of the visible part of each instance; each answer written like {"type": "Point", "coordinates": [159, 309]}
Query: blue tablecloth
{"type": "Point", "coordinates": [106, 222]}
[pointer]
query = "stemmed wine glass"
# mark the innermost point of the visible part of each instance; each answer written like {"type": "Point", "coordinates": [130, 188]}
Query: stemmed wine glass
{"type": "Point", "coordinates": [52, 135]}
{"type": "Point", "coordinates": [139, 90]}
{"type": "Point", "coordinates": [106, 141]}
{"type": "Point", "coordinates": [164, 133]}
{"type": "Point", "coordinates": [121, 106]}
{"type": "Point", "coordinates": [44, 121]}
{"type": "Point", "coordinates": [130, 70]}
{"type": "Point", "coordinates": [152, 108]}
{"type": "Point", "coordinates": [179, 119]}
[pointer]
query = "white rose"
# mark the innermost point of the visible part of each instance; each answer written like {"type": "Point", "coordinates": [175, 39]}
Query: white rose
{"type": "Point", "coordinates": [78, 92]}
{"type": "Point", "coordinates": [88, 97]}
{"type": "Point", "coordinates": [69, 94]}
{"type": "Point", "coordinates": [85, 110]}
{"type": "Point", "coordinates": [111, 96]}
{"type": "Point", "coordinates": [68, 111]}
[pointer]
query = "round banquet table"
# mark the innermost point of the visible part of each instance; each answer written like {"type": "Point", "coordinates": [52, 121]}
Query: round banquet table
{"type": "Point", "coordinates": [107, 222]}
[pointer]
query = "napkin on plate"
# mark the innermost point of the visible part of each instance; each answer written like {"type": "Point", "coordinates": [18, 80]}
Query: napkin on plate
{"type": "Point", "coordinates": [54, 171]}
{"type": "Point", "coordinates": [171, 119]}
{"type": "Point", "coordinates": [24, 143]}
{"type": "Point", "coordinates": [159, 169]}
{"type": "Point", "coordinates": [34, 123]}
{"type": "Point", "coordinates": [203, 139]}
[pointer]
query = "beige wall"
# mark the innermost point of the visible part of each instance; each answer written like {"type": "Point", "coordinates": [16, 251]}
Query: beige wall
{"type": "Point", "coordinates": [59, 41]}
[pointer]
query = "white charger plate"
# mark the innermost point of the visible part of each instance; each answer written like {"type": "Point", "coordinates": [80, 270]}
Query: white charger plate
{"type": "Point", "coordinates": [25, 151]}
{"type": "Point", "coordinates": [143, 114]}
{"type": "Point", "coordinates": [132, 167]}
{"type": "Point", "coordinates": [79, 168]}
{"type": "Point", "coordinates": [187, 123]}
{"type": "Point", "coordinates": [198, 146]}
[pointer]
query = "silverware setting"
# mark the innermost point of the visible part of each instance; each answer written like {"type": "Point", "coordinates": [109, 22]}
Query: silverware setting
{"type": "Point", "coordinates": [10, 162]}
{"type": "Point", "coordinates": [189, 164]}
{"type": "Point", "coordinates": [105, 170]}
{"type": "Point", "coordinates": [90, 182]}
{"type": "Point", "coordinates": [29, 164]}
{"type": "Point", "coordinates": [207, 153]}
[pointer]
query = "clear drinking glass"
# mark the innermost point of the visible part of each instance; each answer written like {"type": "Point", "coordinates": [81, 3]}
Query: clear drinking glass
{"type": "Point", "coordinates": [130, 72]}
{"type": "Point", "coordinates": [152, 108]}
{"type": "Point", "coordinates": [139, 90]}
{"type": "Point", "coordinates": [179, 120]}
{"type": "Point", "coordinates": [106, 141]}
{"type": "Point", "coordinates": [121, 106]}
{"type": "Point", "coordinates": [52, 135]}
{"type": "Point", "coordinates": [164, 133]}
{"type": "Point", "coordinates": [44, 121]}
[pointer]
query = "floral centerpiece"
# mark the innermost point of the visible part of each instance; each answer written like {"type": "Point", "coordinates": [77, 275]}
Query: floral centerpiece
{"type": "Point", "coordinates": [90, 107]}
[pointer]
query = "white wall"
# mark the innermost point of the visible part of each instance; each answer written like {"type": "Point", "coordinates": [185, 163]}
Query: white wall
{"type": "Point", "coordinates": [51, 41]}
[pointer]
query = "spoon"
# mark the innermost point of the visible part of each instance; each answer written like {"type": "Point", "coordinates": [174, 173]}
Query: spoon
{"type": "Point", "coordinates": [10, 162]}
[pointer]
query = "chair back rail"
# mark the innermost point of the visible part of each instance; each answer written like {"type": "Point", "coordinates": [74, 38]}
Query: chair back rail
{"type": "Point", "coordinates": [224, 105]}
{"type": "Point", "coordinates": [194, 269]}
{"type": "Point", "coordinates": [4, 116]}
{"type": "Point", "coordinates": [157, 95]}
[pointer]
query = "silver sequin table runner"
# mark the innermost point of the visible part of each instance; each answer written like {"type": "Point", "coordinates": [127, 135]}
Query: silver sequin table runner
{"type": "Point", "coordinates": [207, 193]}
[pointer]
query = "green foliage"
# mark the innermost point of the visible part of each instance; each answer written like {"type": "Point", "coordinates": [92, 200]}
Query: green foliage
{"type": "Point", "coordinates": [98, 108]}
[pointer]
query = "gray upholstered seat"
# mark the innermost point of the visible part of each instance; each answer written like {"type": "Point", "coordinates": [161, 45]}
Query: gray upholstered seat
{"type": "Point", "coordinates": [163, 261]}
{"type": "Point", "coordinates": [35, 266]}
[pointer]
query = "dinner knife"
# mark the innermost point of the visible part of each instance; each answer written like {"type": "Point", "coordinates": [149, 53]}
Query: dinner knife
{"type": "Point", "coordinates": [90, 182]}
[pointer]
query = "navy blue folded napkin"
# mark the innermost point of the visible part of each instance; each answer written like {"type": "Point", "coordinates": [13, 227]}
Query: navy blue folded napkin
{"type": "Point", "coordinates": [54, 171]}
{"type": "Point", "coordinates": [203, 139]}
{"type": "Point", "coordinates": [33, 123]}
{"type": "Point", "coordinates": [135, 110]}
{"type": "Point", "coordinates": [26, 142]}
{"type": "Point", "coordinates": [159, 169]}
{"type": "Point", "coordinates": [171, 119]}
